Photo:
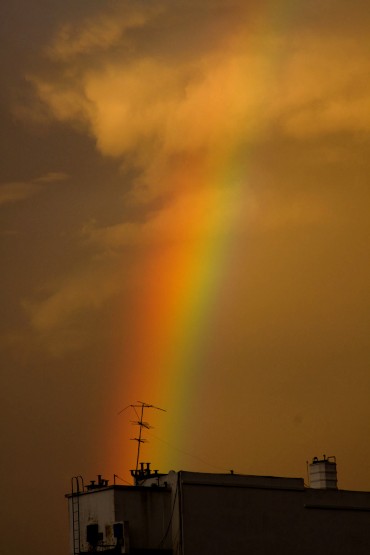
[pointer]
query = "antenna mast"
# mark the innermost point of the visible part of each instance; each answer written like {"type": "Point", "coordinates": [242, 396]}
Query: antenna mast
{"type": "Point", "coordinates": [140, 422]}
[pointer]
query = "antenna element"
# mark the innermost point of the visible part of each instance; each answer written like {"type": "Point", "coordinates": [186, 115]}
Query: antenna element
{"type": "Point", "coordinates": [140, 422]}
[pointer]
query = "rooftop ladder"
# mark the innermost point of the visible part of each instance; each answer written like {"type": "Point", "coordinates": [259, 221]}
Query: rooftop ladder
{"type": "Point", "coordinates": [77, 489]}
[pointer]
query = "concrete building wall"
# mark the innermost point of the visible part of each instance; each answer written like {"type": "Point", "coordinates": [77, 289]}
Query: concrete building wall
{"type": "Point", "coordinates": [91, 512]}
{"type": "Point", "coordinates": [144, 512]}
{"type": "Point", "coordinates": [172, 482]}
{"type": "Point", "coordinates": [264, 516]}
{"type": "Point", "coordinates": [147, 511]}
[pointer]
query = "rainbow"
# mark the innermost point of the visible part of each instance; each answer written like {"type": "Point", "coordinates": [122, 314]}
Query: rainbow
{"type": "Point", "coordinates": [184, 275]}
{"type": "Point", "coordinates": [171, 330]}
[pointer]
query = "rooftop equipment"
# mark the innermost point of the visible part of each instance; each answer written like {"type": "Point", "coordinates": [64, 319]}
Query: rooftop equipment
{"type": "Point", "coordinates": [323, 473]}
{"type": "Point", "coordinates": [141, 474]}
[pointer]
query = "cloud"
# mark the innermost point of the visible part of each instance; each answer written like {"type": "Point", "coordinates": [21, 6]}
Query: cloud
{"type": "Point", "coordinates": [156, 111]}
{"type": "Point", "coordinates": [212, 215]}
{"type": "Point", "coordinates": [76, 293]}
{"type": "Point", "coordinates": [193, 219]}
{"type": "Point", "coordinates": [329, 93]}
{"type": "Point", "coordinates": [184, 105]}
{"type": "Point", "coordinates": [98, 34]}
{"type": "Point", "coordinates": [17, 191]}
{"type": "Point", "coordinates": [51, 177]}
{"type": "Point", "coordinates": [61, 320]}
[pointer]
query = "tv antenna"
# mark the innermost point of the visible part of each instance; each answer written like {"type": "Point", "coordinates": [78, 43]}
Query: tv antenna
{"type": "Point", "coordinates": [141, 406]}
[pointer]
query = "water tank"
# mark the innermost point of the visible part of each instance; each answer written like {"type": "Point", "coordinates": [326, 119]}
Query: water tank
{"type": "Point", "coordinates": [323, 473]}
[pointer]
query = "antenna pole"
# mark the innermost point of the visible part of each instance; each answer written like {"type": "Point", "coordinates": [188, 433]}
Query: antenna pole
{"type": "Point", "coordinates": [140, 422]}
{"type": "Point", "coordinates": [139, 441]}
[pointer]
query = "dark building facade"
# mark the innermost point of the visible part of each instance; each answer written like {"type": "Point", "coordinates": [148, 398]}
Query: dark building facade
{"type": "Point", "coordinates": [190, 513]}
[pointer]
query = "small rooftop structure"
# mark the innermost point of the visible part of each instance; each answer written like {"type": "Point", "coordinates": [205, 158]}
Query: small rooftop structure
{"type": "Point", "coordinates": [323, 473]}
{"type": "Point", "coordinates": [144, 473]}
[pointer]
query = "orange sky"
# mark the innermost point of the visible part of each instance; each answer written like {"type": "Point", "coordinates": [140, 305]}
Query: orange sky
{"type": "Point", "coordinates": [184, 207]}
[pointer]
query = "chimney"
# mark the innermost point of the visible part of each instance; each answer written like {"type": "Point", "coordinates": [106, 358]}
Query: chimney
{"type": "Point", "coordinates": [323, 473]}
